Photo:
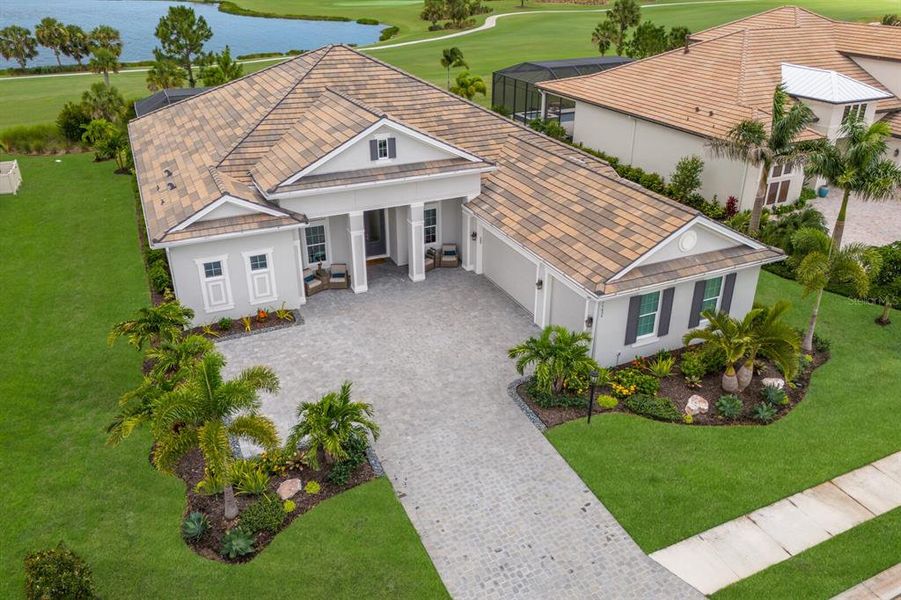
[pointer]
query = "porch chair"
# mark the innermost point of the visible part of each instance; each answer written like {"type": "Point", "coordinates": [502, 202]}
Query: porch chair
{"type": "Point", "coordinates": [449, 256]}
{"type": "Point", "coordinates": [431, 259]}
{"type": "Point", "coordinates": [338, 276]}
{"type": "Point", "coordinates": [312, 284]}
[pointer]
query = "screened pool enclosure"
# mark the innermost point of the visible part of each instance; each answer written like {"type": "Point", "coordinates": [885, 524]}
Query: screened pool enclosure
{"type": "Point", "coordinates": [513, 88]}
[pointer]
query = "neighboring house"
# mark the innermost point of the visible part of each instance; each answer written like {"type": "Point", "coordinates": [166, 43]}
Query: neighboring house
{"type": "Point", "coordinates": [652, 112]}
{"type": "Point", "coordinates": [334, 156]}
{"type": "Point", "coordinates": [165, 97]}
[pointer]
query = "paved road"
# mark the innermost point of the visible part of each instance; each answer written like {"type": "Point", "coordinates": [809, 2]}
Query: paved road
{"type": "Point", "coordinates": [499, 512]}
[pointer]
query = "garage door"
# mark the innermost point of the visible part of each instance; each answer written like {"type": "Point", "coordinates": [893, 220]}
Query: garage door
{"type": "Point", "coordinates": [509, 270]}
{"type": "Point", "coordinates": [567, 307]}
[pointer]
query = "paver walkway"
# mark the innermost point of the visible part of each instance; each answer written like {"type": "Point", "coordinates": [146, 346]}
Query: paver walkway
{"type": "Point", "coordinates": [499, 511]}
{"type": "Point", "coordinates": [884, 586]}
{"type": "Point", "coordinates": [739, 548]}
{"type": "Point", "coordinates": [870, 223]}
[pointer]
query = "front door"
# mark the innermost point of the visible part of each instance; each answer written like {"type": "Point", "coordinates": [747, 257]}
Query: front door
{"type": "Point", "coordinates": [374, 226]}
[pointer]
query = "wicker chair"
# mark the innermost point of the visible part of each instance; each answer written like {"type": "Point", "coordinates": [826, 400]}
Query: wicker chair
{"type": "Point", "coordinates": [431, 259]}
{"type": "Point", "coordinates": [312, 283]}
{"type": "Point", "coordinates": [449, 256]}
{"type": "Point", "coordinates": [339, 278]}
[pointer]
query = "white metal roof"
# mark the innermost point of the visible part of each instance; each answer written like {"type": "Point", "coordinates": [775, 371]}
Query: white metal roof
{"type": "Point", "coordinates": [828, 86]}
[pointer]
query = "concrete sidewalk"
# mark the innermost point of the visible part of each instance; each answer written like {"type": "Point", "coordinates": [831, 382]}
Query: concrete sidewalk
{"type": "Point", "coordinates": [739, 548]}
{"type": "Point", "coordinates": [884, 586]}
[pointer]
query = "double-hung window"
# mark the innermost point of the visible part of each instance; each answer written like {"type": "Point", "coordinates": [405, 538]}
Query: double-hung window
{"type": "Point", "coordinates": [316, 244]}
{"type": "Point", "coordinates": [382, 148]}
{"type": "Point", "coordinates": [648, 307]}
{"type": "Point", "coordinates": [712, 290]}
{"type": "Point", "coordinates": [853, 111]}
{"type": "Point", "coordinates": [430, 225]}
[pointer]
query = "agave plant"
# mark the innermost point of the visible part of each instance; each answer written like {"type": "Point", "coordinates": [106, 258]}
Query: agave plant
{"type": "Point", "coordinates": [728, 334]}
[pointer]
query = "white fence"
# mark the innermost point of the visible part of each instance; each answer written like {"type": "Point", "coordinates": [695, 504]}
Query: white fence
{"type": "Point", "coordinates": [10, 177]}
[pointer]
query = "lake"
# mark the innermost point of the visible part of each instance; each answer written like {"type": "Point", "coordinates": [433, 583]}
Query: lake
{"type": "Point", "coordinates": [137, 19]}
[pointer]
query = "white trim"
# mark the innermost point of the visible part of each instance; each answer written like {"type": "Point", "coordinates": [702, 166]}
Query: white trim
{"type": "Point", "coordinates": [224, 278]}
{"type": "Point", "coordinates": [325, 224]}
{"type": "Point", "coordinates": [298, 254]}
{"type": "Point", "coordinates": [647, 338]}
{"type": "Point", "coordinates": [269, 272]}
{"type": "Point", "coordinates": [436, 206]}
{"type": "Point", "coordinates": [697, 220]}
{"type": "Point", "coordinates": [383, 122]}
{"type": "Point", "coordinates": [227, 200]}
{"type": "Point", "coordinates": [224, 236]}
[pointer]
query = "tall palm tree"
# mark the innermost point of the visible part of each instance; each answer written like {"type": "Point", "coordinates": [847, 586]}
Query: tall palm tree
{"type": "Point", "coordinates": [52, 34]}
{"type": "Point", "coordinates": [165, 74]}
{"type": "Point", "coordinates": [206, 412]}
{"type": "Point", "coordinates": [161, 323]}
{"type": "Point", "coordinates": [750, 141]}
{"type": "Point", "coordinates": [561, 357]}
{"type": "Point", "coordinates": [771, 337]}
{"type": "Point", "coordinates": [624, 14]}
{"type": "Point", "coordinates": [104, 36]}
{"type": "Point", "coordinates": [818, 263]}
{"type": "Point", "coordinates": [452, 58]}
{"type": "Point", "coordinates": [604, 35]}
{"type": "Point", "coordinates": [103, 61]}
{"type": "Point", "coordinates": [730, 335]}
{"type": "Point", "coordinates": [77, 43]}
{"type": "Point", "coordinates": [330, 424]}
{"type": "Point", "coordinates": [858, 164]}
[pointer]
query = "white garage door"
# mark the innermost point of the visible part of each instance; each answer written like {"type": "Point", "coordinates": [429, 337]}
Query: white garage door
{"type": "Point", "coordinates": [567, 307]}
{"type": "Point", "coordinates": [509, 270]}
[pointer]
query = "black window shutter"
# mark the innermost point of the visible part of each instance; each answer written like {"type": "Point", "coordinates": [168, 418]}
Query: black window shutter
{"type": "Point", "coordinates": [373, 150]}
{"type": "Point", "coordinates": [728, 288]}
{"type": "Point", "coordinates": [666, 309]}
{"type": "Point", "coordinates": [392, 148]}
{"type": "Point", "coordinates": [695, 316]}
{"type": "Point", "coordinates": [632, 322]}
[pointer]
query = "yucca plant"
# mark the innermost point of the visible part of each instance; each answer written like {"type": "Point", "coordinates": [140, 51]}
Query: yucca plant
{"type": "Point", "coordinates": [773, 338]}
{"type": "Point", "coordinates": [728, 334]}
{"type": "Point", "coordinates": [194, 526]}
{"type": "Point", "coordinates": [561, 358]}
{"type": "Point", "coordinates": [163, 322]}
{"type": "Point", "coordinates": [330, 424]}
{"type": "Point", "coordinates": [206, 412]}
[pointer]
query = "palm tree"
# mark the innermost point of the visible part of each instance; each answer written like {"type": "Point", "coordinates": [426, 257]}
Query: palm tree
{"type": "Point", "coordinates": [817, 263]}
{"type": "Point", "coordinates": [103, 102]}
{"type": "Point", "coordinates": [604, 35]}
{"type": "Point", "coordinates": [452, 58]}
{"type": "Point", "coordinates": [730, 335]}
{"type": "Point", "coordinates": [165, 74]}
{"type": "Point", "coordinates": [750, 141]}
{"type": "Point", "coordinates": [561, 357]}
{"type": "Point", "coordinates": [858, 164]}
{"type": "Point", "coordinates": [161, 323]}
{"type": "Point", "coordinates": [52, 34]}
{"type": "Point", "coordinates": [771, 337]}
{"type": "Point", "coordinates": [220, 68]}
{"type": "Point", "coordinates": [104, 36]}
{"type": "Point", "coordinates": [103, 61]}
{"type": "Point", "coordinates": [624, 14]}
{"type": "Point", "coordinates": [330, 423]}
{"type": "Point", "coordinates": [77, 43]}
{"type": "Point", "coordinates": [206, 412]}
{"type": "Point", "coordinates": [468, 85]}
{"type": "Point", "coordinates": [779, 231]}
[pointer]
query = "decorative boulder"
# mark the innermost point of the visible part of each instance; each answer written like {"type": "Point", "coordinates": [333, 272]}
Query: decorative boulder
{"type": "Point", "coordinates": [775, 382]}
{"type": "Point", "coordinates": [288, 488]}
{"type": "Point", "coordinates": [696, 404]}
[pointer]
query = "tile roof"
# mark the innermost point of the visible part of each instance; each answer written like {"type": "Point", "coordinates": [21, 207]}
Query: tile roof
{"type": "Point", "coordinates": [894, 121]}
{"type": "Point", "coordinates": [561, 203]}
{"type": "Point", "coordinates": [730, 73]}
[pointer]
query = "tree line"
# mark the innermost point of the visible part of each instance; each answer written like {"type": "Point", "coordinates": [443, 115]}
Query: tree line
{"type": "Point", "coordinates": [647, 39]}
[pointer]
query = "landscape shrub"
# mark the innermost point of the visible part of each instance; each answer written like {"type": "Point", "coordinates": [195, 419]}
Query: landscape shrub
{"type": "Point", "coordinates": [35, 139]}
{"type": "Point", "coordinates": [367, 21]}
{"type": "Point", "coordinates": [662, 364]}
{"type": "Point", "coordinates": [630, 381]}
{"type": "Point", "coordinates": [764, 412]}
{"type": "Point", "coordinates": [71, 121]}
{"type": "Point", "coordinates": [773, 395]}
{"type": "Point", "coordinates": [159, 277]}
{"type": "Point", "coordinates": [692, 365]}
{"type": "Point", "coordinates": [194, 526]}
{"type": "Point", "coordinates": [607, 402]}
{"type": "Point", "coordinates": [713, 358]}
{"type": "Point", "coordinates": [266, 514]}
{"type": "Point", "coordinates": [224, 324]}
{"type": "Point", "coordinates": [312, 488]}
{"type": "Point", "coordinates": [548, 399]}
{"type": "Point", "coordinates": [356, 456]}
{"type": "Point", "coordinates": [58, 573]}
{"type": "Point", "coordinates": [686, 178]}
{"type": "Point", "coordinates": [729, 406]}
{"type": "Point", "coordinates": [236, 543]}
{"type": "Point", "coordinates": [655, 407]}
{"type": "Point", "coordinates": [249, 477]}
{"type": "Point", "coordinates": [388, 33]}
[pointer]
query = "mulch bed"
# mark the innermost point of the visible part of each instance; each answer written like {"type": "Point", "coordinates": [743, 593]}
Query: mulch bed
{"type": "Point", "coordinates": [236, 328]}
{"type": "Point", "coordinates": [190, 470]}
{"type": "Point", "coordinates": [674, 388]}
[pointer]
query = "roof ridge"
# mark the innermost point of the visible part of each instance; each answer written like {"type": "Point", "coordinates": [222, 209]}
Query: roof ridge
{"type": "Point", "coordinates": [742, 71]}
{"type": "Point", "coordinates": [371, 109]}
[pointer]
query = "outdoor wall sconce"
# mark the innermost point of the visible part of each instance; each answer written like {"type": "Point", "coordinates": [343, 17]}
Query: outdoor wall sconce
{"type": "Point", "coordinates": [539, 284]}
{"type": "Point", "coordinates": [589, 321]}
{"type": "Point", "coordinates": [474, 236]}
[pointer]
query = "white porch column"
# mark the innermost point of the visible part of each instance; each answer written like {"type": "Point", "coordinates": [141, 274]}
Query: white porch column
{"type": "Point", "coordinates": [541, 296]}
{"type": "Point", "coordinates": [298, 255]}
{"type": "Point", "coordinates": [357, 235]}
{"type": "Point", "coordinates": [416, 242]}
{"type": "Point", "coordinates": [478, 247]}
{"type": "Point", "coordinates": [469, 245]}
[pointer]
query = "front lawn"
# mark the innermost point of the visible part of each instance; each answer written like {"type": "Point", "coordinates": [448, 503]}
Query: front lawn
{"type": "Point", "coordinates": [666, 482]}
{"type": "Point", "coordinates": [70, 268]}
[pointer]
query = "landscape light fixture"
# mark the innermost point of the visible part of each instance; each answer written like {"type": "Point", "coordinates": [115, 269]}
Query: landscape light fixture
{"type": "Point", "coordinates": [593, 379]}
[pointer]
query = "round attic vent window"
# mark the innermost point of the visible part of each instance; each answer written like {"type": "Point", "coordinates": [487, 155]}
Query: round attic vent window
{"type": "Point", "coordinates": [687, 241]}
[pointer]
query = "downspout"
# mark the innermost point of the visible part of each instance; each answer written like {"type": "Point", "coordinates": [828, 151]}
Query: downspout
{"type": "Point", "coordinates": [632, 146]}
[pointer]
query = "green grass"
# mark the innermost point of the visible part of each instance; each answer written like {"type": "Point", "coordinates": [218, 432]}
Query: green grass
{"type": "Point", "coordinates": [666, 482]}
{"type": "Point", "coordinates": [542, 36]}
{"type": "Point", "coordinates": [828, 568]}
{"type": "Point", "coordinates": [70, 268]}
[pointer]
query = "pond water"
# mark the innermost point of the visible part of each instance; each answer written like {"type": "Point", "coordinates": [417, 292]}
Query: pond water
{"type": "Point", "coordinates": [136, 20]}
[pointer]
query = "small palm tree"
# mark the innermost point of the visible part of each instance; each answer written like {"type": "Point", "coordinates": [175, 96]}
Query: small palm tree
{"type": "Point", "coordinates": [818, 263]}
{"type": "Point", "coordinates": [858, 165]}
{"type": "Point", "coordinates": [103, 60]}
{"type": "Point", "coordinates": [779, 231]}
{"type": "Point", "coordinates": [771, 337]}
{"type": "Point", "coordinates": [452, 58]}
{"type": "Point", "coordinates": [206, 412]}
{"type": "Point", "coordinates": [604, 35]}
{"type": "Point", "coordinates": [750, 141]}
{"type": "Point", "coordinates": [165, 74]}
{"type": "Point", "coordinates": [330, 424]}
{"type": "Point", "coordinates": [160, 323]}
{"type": "Point", "coordinates": [468, 85]}
{"type": "Point", "coordinates": [561, 358]}
{"type": "Point", "coordinates": [730, 335]}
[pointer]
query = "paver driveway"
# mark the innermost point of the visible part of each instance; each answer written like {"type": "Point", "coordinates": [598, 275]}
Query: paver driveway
{"type": "Point", "coordinates": [498, 510]}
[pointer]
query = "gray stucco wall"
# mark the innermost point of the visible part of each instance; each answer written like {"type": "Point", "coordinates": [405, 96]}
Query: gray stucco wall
{"type": "Point", "coordinates": [285, 265]}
